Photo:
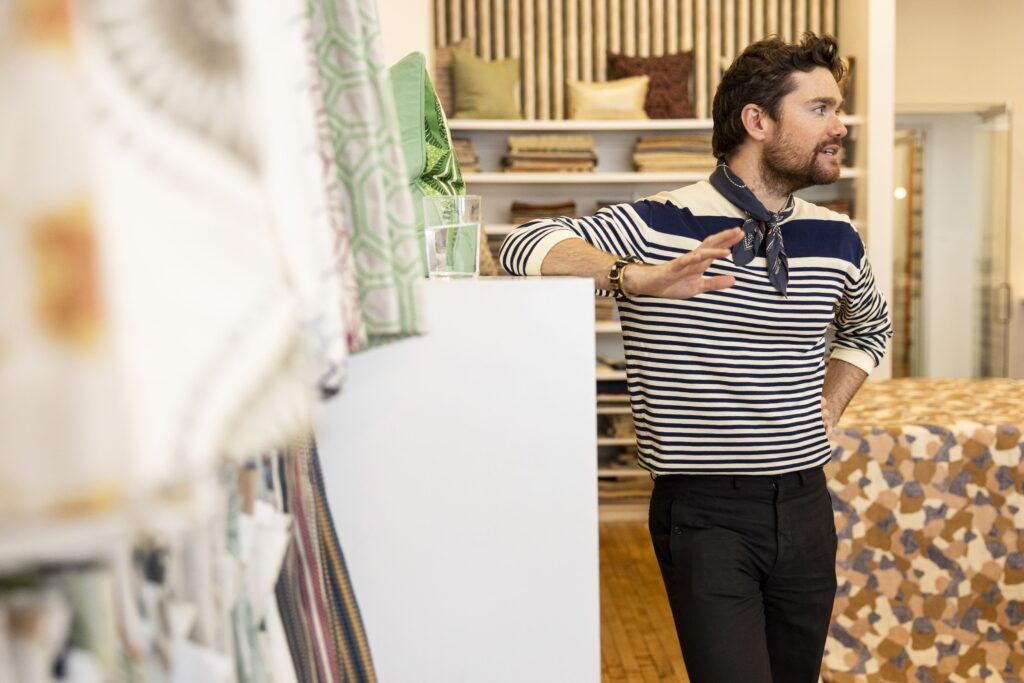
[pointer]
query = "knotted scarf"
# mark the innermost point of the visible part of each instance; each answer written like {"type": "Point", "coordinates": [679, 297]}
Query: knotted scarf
{"type": "Point", "coordinates": [760, 224]}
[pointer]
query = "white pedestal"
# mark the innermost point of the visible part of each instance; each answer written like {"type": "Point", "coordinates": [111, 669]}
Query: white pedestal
{"type": "Point", "coordinates": [461, 471]}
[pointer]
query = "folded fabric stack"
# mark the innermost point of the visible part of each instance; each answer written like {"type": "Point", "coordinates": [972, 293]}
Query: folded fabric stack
{"type": "Point", "coordinates": [605, 203]}
{"type": "Point", "coordinates": [493, 246]}
{"type": "Point", "coordinates": [675, 152]}
{"type": "Point", "coordinates": [624, 490]}
{"type": "Point", "coordinates": [604, 308]}
{"type": "Point", "coordinates": [524, 212]}
{"type": "Point", "coordinates": [466, 155]}
{"type": "Point", "coordinates": [551, 153]}
{"type": "Point", "coordinates": [839, 206]}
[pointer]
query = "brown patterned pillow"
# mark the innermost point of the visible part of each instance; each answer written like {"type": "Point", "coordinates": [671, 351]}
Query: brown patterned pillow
{"type": "Point", "coordinates": [443, 79]}
{"type": "Point", "coordinates": [668, 96]}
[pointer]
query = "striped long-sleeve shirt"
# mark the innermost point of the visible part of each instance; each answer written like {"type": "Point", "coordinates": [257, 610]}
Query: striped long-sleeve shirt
{"type": "Point", "coordinates": [729, 381]}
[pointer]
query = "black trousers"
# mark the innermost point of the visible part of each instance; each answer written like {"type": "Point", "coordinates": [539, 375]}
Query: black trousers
{"type": "Point", "coordinates": [749, 567]}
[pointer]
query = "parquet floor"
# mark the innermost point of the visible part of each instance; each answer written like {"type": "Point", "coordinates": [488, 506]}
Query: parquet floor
{"type": "Point", "coordinates": [638, 639]}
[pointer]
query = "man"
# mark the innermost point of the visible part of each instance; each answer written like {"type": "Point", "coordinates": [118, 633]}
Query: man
{"type": "Point", "coordinates": [726, 289]}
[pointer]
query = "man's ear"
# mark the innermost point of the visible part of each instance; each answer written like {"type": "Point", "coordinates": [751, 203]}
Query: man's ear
{"type": "Point", "coordinates": [756, 121]}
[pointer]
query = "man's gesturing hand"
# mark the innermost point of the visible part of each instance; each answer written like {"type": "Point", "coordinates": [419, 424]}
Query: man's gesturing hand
{"type": "Point", "coordinates": [683, 277]}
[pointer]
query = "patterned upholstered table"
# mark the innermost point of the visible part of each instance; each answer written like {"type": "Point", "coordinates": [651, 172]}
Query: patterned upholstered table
{"type": "Point", "coordinates": [927, 482]}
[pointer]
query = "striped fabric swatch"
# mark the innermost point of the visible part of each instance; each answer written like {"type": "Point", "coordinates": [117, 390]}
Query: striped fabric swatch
{"type": "Point", "coordinates": [318, 608]}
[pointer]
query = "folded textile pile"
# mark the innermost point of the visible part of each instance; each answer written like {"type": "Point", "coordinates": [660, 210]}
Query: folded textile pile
{"type": "Point", "coordinates": [524, 212]}
{"type": "Point", "coordinates": [469, 162]}
{"type": "Point", "coordinates": [552, 153]}
{"type": "Point", "coordinates": [675, 152]}
{"type": "Point", "coordinates": [604, 308]}
{"type": "Point", "coordinates": [839, 206]}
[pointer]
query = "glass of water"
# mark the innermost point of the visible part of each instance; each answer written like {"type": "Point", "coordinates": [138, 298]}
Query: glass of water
{"type": "Point", "coordinates": [452, 227]}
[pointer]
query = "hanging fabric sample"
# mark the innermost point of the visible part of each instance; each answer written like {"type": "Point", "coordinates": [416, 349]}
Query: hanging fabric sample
{"type": "Point", "coordinates": [283, 93]}
{"type": "Point", "coordinates": [315, 597]}
{"type": "Point", "coordinates": [221, 300]}
{"type": "Point", "coordinates": [60, 437]}
{"type": "Point", "coordinates": [376, 199]}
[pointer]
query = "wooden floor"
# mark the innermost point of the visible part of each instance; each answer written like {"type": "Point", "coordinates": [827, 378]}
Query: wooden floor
{"type": "Point", "coordinates": [638, 639]}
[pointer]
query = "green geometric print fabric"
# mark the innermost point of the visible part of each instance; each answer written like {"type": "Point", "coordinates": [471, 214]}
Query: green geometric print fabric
{"type": "Point", "coordinates": [377, 204]}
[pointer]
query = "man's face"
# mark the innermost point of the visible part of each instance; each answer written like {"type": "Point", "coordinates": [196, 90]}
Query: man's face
{"type": "Point", "coordinates": [803, 148]}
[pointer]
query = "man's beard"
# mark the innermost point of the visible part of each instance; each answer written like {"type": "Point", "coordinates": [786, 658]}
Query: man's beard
{"type": "Point", "coordinates": [785, 168]}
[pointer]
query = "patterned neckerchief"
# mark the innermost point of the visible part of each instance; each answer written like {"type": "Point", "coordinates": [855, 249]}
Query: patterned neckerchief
{"type": "Point", "coordinates": [759, 225]}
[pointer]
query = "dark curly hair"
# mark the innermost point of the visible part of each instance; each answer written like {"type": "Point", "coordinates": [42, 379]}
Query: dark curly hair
{"type": "Point", "coordinates": [761, 76]}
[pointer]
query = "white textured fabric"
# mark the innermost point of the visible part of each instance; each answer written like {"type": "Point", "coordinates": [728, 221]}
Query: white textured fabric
{"type": "Point", "coordinates": [59, 437]}
{"type": "Point", "coordinates": [210, 307]}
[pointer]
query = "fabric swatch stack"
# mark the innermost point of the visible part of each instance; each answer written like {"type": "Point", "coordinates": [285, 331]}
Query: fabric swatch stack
{"type": "Point", "coordinates": [469, 162]}
{"type": "Point", "coordinates": [675, 152]}
{"type": "Point", "coordinates": [551, 153]}
{"type": "Point", "coordinates": [839, 206]}
{"type": "Point", "coordinates": [604, 308]}
{"type": "Point", "coordinates": [524, 212]}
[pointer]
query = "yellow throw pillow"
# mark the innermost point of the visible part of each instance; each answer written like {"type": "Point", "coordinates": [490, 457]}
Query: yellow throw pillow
{"type": "Point", "coordinates": [620, 99]}
{"type": "Point", "coordinates": [483, 89]}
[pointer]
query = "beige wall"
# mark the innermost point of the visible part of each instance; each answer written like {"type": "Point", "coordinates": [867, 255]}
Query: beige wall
{"type": "Point", "coordinates": [953, 52]}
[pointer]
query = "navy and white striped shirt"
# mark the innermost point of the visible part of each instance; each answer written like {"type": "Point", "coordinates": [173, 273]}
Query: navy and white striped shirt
{"type": "Point", "coordinates": [729, 382]}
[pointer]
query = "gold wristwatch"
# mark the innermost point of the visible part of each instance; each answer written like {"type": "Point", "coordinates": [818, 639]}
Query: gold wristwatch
{"type": "Point", "coordinates": [615, 275]}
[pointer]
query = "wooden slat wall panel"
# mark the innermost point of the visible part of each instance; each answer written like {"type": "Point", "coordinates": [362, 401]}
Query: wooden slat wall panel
{"type": "Point", "coordinates": [561, 40]}
{"type": "Point", "coordinates": [715, 48]}
{"type": "Point", "coordinates": [499, 29]}
{"type": "Point", "coordinates": [743, 25]}
{"type": "Point", "coordinates": [573, 28]}
{"type": "Point", "coordinates": [527, 63]}
{"type": "Point", "coordinates": [700, 61]}
{"type": "Point", "coordinates": [800, 18]}
{"type": "Point", "coordinates": [643, 27]}
{"type": "Point", "coordinates": [658, 27]}
{"type": "Point", "coordinates": [557, 60]}
{"type": "Point", "coordinates": [483, 30]}
{"type": "Point", "coordinates": [729, 31]}
{"type": "Point", "coordinates": [757, 30]}
{"type": "Point", "coordinates": [469, 22]}
{"type": "Point", "coordinates": [629, 27]}
{"type": "Point", "coordinates": [672, 26]}
{"type": "Point", "coordinates": [543, 74]}
{"type": "Point", "coordinates": [687, 26]}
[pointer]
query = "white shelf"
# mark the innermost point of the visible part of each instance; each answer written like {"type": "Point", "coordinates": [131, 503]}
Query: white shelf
{"type": "Point", "coordinates": [622, 472]}
{"type": "Point", "coordinates": [611, 178]}
{"type": "Point", "coordinates": [499, 228]}
{"type": "Point", "coordinates": [610, 375]}
{"type": "Point", "coordinates": [530, 125]}
{"type": "Point", "coordinates": [622, 512]}
{"type": "Point", "coordinates": [616, 440]}
{"type": "Point", "coordinates": [614, 410]}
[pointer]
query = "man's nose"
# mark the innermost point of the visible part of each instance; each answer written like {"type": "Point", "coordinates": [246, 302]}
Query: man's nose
{"type": "Point", "coordinates": [838, 128]}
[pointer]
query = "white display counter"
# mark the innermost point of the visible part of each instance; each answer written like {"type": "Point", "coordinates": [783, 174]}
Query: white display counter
{"type": "Point", "coordinates": [461, 473]}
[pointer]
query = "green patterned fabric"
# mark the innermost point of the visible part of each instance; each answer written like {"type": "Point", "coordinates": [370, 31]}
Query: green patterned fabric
{"type": "Point", "coordinates": [430, 162]}
{"type": "Point", "coordinates": [426, 142]}
{"type": "Point", "coordinates": [377, 205]}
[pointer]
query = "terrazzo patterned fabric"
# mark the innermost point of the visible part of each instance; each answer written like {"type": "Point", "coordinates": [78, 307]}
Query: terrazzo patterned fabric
{"type": "Point", "coordinates": [927, 482]}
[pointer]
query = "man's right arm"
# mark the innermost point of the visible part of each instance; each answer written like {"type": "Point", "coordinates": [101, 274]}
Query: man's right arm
{"type": "Point", "coordinates": [565, 246]}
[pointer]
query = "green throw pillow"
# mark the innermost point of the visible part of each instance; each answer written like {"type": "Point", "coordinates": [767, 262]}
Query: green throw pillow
{"type": "Point", "coordinates": [483, 89]}
{"type": "Point", "coordinates": [430, 163]}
